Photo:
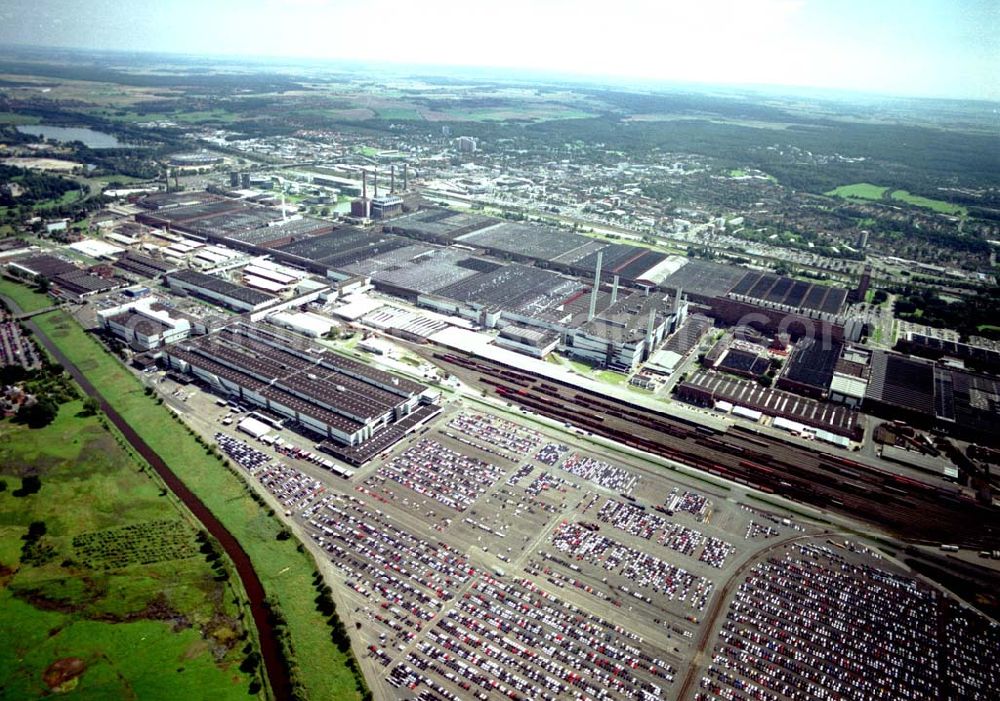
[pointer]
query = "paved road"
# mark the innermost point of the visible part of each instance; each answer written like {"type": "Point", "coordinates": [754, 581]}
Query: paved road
{"type": "Point", "coordinates": [270, 650]}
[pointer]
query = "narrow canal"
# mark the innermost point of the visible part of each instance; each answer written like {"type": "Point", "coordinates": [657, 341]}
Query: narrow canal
{"type": "Point", "coordinates": [270, 651]}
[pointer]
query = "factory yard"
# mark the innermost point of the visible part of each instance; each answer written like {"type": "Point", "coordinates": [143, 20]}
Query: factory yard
{"type": "Point", "coordinates": [488, 556]}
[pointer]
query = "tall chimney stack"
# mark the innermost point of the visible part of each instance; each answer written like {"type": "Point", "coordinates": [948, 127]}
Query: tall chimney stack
{"type": "Point", "coordinates": [677, 300]}
{"type": "Point", "coordinates": [649, 326]}
{"type": "Point", "coordinates": [375, 182]}
{"type": "Point", "coordinates": [597, 286]}
{"type": "Point", "coordinates": [364, 184]}
{"type": "Point", "coordinates": [392, 179]}
{"type": "Point", "coordinates": [614, 291]}
{"type": "Point", "coordinates": [405, 185]}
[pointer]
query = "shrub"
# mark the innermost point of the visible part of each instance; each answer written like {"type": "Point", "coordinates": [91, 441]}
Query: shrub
{"type": "Point", "coordinates": [29, 485]}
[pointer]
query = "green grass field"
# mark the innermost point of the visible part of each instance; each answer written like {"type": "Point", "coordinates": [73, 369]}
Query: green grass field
{"type": "Point", "coordinates": [15, 118]}
{"type": "Point", "coordinates": [538, 113]}
{"type": "Point", "coordinates": [607, 376]}
{"type": "Point", "coordinates": [194, 117]}
{"type": "Point", "coordinates": [611, 377]}
{"type": "Point", "coordinates": [285, 572]}
{"type": "Point", "coordinates": [66, 198]}
{"type": "Point", "coordinates": [928, 203]}
{"type": "Point", "coordinates": [860, 191]}
{"type": "Point", "coordinates": [143, 614]}
{"type": "Point", "coordinates": [25, 297]}
{"type": "Point", "coordinates": [867, 191]}
{"type": "Point", "coordinates": [400, 113]}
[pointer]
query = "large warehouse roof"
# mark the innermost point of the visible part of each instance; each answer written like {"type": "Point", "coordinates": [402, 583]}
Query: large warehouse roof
{"type": "Point", "coordinates": [903, 382]}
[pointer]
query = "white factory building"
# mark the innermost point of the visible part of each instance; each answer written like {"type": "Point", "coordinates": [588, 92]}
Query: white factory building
{"type": "Point", "coordinates": [145, 323]}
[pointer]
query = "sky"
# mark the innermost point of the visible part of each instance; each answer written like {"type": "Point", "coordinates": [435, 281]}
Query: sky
{"type": "Point", "coordinates": [920, 48]}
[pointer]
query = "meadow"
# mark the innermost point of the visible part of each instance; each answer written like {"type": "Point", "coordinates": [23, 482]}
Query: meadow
{"type": "Point", "coordinates": [861, 191]}
{"type": "Point", "coordinates": [928, 203]}
{"type": "Point", "coordinates": [867, 191]}
{"type": "Point", "coordinates": [111, 596]}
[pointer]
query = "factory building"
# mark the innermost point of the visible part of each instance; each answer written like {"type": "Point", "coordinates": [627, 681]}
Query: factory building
{"type": "Point", "coordinates": [537, 343]}
{"type": "Point", "coordinates": [195, 159]}
{"type": "Point", "coordinates": [219, 291]}
{"type": "Point", "coordinates": [626, 333]}
{"type": "Point", "coordinates": [386, 207]}
{"type": "Point", "coordinates": [66, 279]}
{"type": "Point", "coordinates": [927, 394]}
{"type": "Point", "coordinates": [145, 324]}
{"type": "Point", "coordinates": [810, 368]}
{"type": "Point", "coordinates": [337, 398]}
{"type": "Point", "coordinates": [234, 223]}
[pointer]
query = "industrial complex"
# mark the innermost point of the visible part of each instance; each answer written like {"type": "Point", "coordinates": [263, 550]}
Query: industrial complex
{"type": "Point", "coordinates": [508, 412]}
{"type": "Point", "coordinates": [533, 289]}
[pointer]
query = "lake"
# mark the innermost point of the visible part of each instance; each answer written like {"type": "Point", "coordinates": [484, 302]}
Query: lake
{"type": "Point", "coordinates": [89, 137]}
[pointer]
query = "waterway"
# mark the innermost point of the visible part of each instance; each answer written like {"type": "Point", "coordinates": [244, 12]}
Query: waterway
{"type": "Point", "coordinates": [88, 137]}
{"type": "Point", "coordinates": [270, 651]}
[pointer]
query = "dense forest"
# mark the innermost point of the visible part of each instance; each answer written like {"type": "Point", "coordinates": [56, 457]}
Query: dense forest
{"type": "Point", "coordinates": [974, 315]}
{"type": "Point", "coordinates": [19, 186]}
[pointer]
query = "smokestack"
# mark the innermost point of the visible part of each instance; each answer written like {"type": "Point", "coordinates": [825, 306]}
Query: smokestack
{"type": "Point", "coordinates": [677, 300]}
{"type": "Point", "coordinates": [405, 186]}
{"type": "Point", "coordinates": [375, 182]}
{"type": "Point", "coordinates": [597, 286]}
{"type": "Point", "coordinates": [614, 291]}
{"type": "Point", "coordinates": [364, 184]}
{"type": "Point", "coordinates": [649, 327]}
{"type": "Point", "coordinates": [392, 179]}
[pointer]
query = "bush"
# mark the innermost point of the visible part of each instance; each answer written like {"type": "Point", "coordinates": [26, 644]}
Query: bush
{"type": "Point", "coordinates": [29, 485]}
{"type": "Point", "coordinates": [36, 530]}
{"type": "Point", "coordinates": [40, 414]}
{"type": "Point", "coordinates": [250, 663]}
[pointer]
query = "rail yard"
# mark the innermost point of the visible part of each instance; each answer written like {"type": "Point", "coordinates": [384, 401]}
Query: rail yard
{"type": "Point", "coordinates": [911, 508]}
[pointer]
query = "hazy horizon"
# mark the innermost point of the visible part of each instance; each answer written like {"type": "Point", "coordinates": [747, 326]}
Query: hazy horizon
{"type": "Point", "coordinates": [926, 48]}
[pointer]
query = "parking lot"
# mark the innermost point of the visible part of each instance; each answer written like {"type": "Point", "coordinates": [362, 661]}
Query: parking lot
{"type": "Point", "coordinates": [487, 556]}
{"type": "Point", "coordinates": [833, 620]}
{"type": "Point", "coordinates": [15, 347]}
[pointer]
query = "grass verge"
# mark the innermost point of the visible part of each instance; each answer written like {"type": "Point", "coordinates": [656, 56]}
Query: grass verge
{"type": "Point", "coordinates": [28, 299]}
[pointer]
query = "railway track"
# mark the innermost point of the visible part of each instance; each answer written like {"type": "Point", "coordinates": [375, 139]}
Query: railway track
{"type": "Point", "coordinates": [912, 509]}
